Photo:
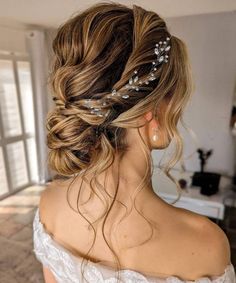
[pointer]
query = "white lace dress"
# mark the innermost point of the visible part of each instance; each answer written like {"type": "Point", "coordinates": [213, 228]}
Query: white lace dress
{"type": "Point", "coordinates": [66, 267]}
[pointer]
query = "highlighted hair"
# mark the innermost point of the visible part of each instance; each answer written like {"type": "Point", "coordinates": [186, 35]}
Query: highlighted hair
{"type": "Point", "coordinates": [97, 50]}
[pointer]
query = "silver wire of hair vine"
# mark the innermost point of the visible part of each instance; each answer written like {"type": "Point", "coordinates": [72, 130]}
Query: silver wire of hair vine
{"type": "Point", "coordinates": [161, 48]}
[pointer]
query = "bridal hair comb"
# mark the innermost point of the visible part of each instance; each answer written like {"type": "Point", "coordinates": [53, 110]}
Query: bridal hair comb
{"type": "Point", "coordinates": [161, 48]}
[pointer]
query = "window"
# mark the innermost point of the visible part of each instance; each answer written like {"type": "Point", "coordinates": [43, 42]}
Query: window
{"type": "Point", "coordinates": [18, 155]}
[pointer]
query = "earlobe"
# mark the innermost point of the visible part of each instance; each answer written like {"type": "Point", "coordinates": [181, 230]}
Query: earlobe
{"type": "Point", "coordinates": [148, 116]}
{"type": "Point", "coordinates": [153, 123]}
{"type": "Point", "coordinates": [151, 120]}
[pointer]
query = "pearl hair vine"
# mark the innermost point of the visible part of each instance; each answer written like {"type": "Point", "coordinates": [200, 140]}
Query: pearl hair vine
{"type": "Point", "coordinates": [161, 48]}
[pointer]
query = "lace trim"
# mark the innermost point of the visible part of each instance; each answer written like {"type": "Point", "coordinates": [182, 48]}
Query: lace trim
{"type": "Point", "coordinates": [66, 267]}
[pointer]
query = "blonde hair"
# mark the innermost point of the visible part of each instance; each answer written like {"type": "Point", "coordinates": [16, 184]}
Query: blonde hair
{"type": "Point", "coordinates": [97, 50]}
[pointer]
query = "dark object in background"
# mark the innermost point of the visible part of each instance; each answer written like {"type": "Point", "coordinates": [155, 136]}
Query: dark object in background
{"type": "Point", "coordinates": [203, 156]}
{"type": "Point", "coordinates": [234, 180]}
{"type": "Point", "coordinates": [209, 182]}
{"type": "Point", "coordinates": [182, 183]}
{"type": "Point", "coordinates": [233, 117]}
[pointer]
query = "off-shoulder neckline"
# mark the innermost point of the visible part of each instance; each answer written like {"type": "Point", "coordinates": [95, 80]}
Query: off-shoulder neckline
{"type": "Point", "coordinates": [213, 279]}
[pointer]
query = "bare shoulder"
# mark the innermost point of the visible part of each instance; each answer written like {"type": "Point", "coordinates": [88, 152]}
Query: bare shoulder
{"type": "Point", "coordinates": [46, 197]}
{"type": "Point", "coordinates": [210, 243]}
{"type": "Point", "coordinates": [53, 205]}
{"type": "Point", "coordinates": [49, 200]}
{"type": "Point", "coordinates": [217, 243]}
{"type": "Point", "coordinates": [52, 193]}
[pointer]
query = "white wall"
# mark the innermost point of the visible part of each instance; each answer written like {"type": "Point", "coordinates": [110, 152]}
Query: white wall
{"type": "Point", "coordinates": [211, 40]}
{"type": "Point", "coordinates": [49, 36]}
{"type": "Point", "coordinates": [12, 39]}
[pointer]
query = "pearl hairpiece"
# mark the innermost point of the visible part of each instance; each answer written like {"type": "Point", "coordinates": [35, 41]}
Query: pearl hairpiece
{"type": "Point", "coordinates": [160, 49]}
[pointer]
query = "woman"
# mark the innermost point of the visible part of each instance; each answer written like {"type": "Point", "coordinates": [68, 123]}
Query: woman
{"type": "Point", "coordinates": [120, 82]}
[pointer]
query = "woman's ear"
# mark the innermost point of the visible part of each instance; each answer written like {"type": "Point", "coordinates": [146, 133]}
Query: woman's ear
{"type": "Point", "coordinates": [149, 117]}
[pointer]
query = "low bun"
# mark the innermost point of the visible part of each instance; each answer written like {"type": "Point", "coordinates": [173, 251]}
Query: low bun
{"type": "Point", "coordinates": [71, 142]}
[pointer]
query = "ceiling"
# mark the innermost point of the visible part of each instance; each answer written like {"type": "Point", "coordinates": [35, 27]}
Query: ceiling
{"type": "Point", "coordinates": [51, 13]}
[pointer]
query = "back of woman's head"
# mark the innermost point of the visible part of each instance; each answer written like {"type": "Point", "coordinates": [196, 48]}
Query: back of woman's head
{"type": "Point", "coordinates": [96, 51]}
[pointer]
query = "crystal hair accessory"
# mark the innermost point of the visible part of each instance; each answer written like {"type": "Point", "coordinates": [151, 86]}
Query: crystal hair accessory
{"type": "Point", "coordinates": [161, 48]}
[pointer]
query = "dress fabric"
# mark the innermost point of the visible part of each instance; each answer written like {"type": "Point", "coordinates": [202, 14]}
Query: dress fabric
{"type": "Point", "coordinates": [66, 267]}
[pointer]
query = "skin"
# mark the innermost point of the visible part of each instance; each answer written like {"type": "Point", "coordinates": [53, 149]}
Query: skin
{"type": "Point", "coordinates": [185, 243]}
